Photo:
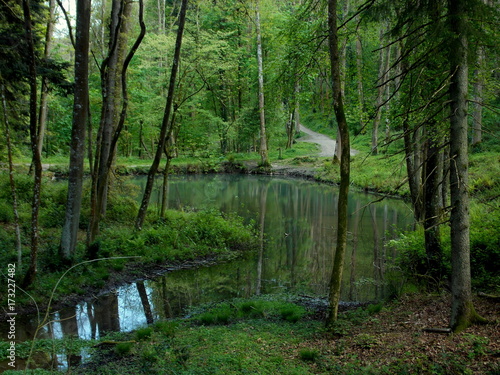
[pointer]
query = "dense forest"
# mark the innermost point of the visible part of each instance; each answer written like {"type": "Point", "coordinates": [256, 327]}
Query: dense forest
{"type": "Point", "coordinates": [90, 91]}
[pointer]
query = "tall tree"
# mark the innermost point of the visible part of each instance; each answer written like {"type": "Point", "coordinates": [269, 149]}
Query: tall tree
{"type": "Point", "coordinates": [80, 116]}
{"type": "Point", "coordinates": [114, 91]}
{"type": "Point", "coordinates": [37, 162]}
{"type": "Point", "coordinates": [463, 313]}
{"type": "Point", "coordinates": [264, 158]}
{"type": "Point", "coordinates": [338, 105]}
{"type": "Point", "coordinates": [12, 183]}
{"type": "Point", "coordinates": [42, 118]}
{"type": "Point", "coordinates": [166, 126]}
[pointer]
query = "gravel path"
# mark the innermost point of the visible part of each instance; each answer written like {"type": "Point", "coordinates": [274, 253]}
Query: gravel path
{"type": "Point", "coordinates": [326, 143]}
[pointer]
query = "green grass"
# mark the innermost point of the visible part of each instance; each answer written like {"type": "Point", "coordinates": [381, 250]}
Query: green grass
{"type": "Point", "coordinates": [205, 162]}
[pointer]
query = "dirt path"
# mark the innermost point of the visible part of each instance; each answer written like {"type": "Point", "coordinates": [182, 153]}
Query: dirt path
{"type": "Point", "coordinates": [326, 143]}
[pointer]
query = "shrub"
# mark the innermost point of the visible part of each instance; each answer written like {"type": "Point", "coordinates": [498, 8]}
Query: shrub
{"type": "Point", "coordinates": [123, 348]}
{"type": "Point", "coordinates": [143, 334]}
{"type": "Point", "coordinates": [6, 212]}
{"type": "Point", "coordinates": [292, 313]}
{"type": "Point", "coordinates": [307, 354]}
{"type": "Point", "coordinates": [485, 250]}
{"type": "Point", "coordinates": [165, 328]}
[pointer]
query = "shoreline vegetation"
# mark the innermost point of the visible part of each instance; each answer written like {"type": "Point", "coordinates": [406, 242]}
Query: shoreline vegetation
{"type": "Point", "coordinates": [284, 335]}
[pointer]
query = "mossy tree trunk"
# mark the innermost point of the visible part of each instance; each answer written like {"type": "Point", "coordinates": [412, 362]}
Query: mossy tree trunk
{"type": "Point", "coordinates": [338, 105]}
{"type": "Point", "coordinates": [463, 313]}
{"type": "Point", "coordinates": [37, 162]}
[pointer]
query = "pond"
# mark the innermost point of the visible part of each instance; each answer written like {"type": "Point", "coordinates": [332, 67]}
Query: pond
{"type": "Point", "coordinates": [297, 221]}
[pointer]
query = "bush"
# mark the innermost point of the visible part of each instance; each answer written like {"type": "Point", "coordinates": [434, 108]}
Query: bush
{"type": "Point", "coordinates": [308, 354]}
{"type": "Point", "coordinates": [6, 212]}
{"type": "Point", "coordinates": [292, 313]}
{"type": "Point", "coordinates": [123, 348]}
{"type": "Point", "coordinates": [143, 334]}
{"type": "Point", "coordinates": [485, 250]}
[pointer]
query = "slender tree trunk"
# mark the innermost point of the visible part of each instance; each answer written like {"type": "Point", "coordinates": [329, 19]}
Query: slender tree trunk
{"type": "Point", "coordinates": [141, 288]}
{"type": "Point", "coordinates": [338, 105]}
{"type": "Point", "coordinates": [42, 118]}
{"type": "Point", "coordinates": [262, 222]}
{"type": "Point", "coordinates": [382, 76]}
{"type": "Point", "coordinates": [463, 313]}
{"type": "Point", "coordinates": [359, 69]}
{"type": "Point", "coordinates": [264, 158]}
{"type": "Point", "coordinates": [432, 205]}
{"type": "Point", "coordinates": [13, 191]}
{"type": "Point", "coordinates": [412, 156]}
{"type": "Point", "coordinates": [111, 96]}
{"type": "Point", "coordinates": [477, 114]}
{"type": "Point", "coordinates": [37, 162]}
{"type": "Point", "coordinates": [164, 190]}
{"type": "Point", "coordinates": [113, 123]}
{"type": "Point", "coordinates": [80, 116]}
{"type": "Point", "coordinates": [165, 128]}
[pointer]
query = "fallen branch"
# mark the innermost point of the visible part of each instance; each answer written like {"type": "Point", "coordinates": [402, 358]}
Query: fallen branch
{"type": "Point", "coordinates": [437, 330]}
{"type": "Point", "coordinates": [489, 296]}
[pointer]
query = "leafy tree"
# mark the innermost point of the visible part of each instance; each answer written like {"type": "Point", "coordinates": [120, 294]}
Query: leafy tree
{"type": "Point", "coordinates": [166, 127]}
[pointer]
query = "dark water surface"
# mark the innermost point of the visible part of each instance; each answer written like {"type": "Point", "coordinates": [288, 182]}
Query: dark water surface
{"type": "Point", "coordinates": [298, 221]}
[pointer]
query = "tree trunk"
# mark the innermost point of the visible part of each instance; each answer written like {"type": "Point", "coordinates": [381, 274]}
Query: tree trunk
{"type": "Point", "coordinates": [432, 205]}
{"type": "Point", "coordinates": [42, 118]}
{"type": "Point", "coordinates": [463, 313]}
{"type": "Point", "coordinates": [477, 114]}
{"type": "Point", "coordinates": [264, 158]}
{"type": "Point", "coordinates": [37, 162]}
{"type": "Point", "coordinates": [165, 128]}
{"type": "Point", "coordinates": [146, 306]}
{"type": "Point", "coordinates": [112, 124]}
{"type": "Point", "coordinates": [382, 76]}
{"type": "Point", "coordinates": [164, 190]}
{"type": "Point", "coordinates": [111, 96]}
{"type": "Point", "coordinates": [80, 116]}
{"type": "Point", "coordinates": [359, 70]}
{"type": "Point", "coordinates": [338, 262]}
{"type": "Point", "coordinates": [13, 191]}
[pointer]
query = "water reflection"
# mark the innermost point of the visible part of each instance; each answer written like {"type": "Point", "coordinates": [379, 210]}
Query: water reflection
{"type": "Point", "coordinates": [297, 223]}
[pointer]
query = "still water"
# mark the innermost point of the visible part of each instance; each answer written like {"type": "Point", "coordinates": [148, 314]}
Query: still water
{"type": "Point", "coordinates": [297, 221]}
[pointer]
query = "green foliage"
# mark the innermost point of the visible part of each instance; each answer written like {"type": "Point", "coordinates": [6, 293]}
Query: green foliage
{"type": "Point", "coordinates": [225, 313]}
{"type": "Point", "coordinates": [292, 313]}
{"type": "Point", "coordinates": [6, 212]}
{"type": "Point", "coordinates": [485, 249]}
{"type": "Point", "coordinates": [306, 354]}
{"type": "Point", "coordinates": [143, 333]}
{"type": "Point", "coordinates": [124, 348]}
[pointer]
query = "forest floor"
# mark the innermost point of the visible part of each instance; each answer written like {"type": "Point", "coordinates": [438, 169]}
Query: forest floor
{"type": "Point", "coordinates": [390, 339]}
